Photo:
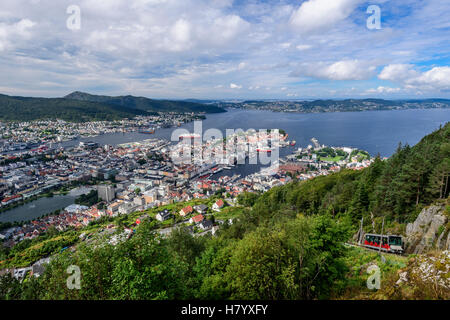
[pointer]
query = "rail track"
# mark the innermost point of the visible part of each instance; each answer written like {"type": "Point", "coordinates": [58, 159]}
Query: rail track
{"type": "Point", "coordinates": [374, 249]}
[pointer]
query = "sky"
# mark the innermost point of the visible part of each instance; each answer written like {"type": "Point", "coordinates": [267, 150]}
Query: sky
{"type": "Point", "coordinates": [225, 49]}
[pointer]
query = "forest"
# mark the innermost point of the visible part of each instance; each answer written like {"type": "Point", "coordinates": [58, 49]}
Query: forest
{"type": "Point", "coordinates": [81, 107]}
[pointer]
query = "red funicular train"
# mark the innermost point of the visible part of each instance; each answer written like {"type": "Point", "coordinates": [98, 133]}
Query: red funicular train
{"type": "Point", "coordinates": [391, 243]}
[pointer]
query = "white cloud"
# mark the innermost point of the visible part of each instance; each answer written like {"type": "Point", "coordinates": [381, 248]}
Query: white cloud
{"type": "Point", "coordinates": [397, 72]}
{"type": "Point", "coordinates": [382, 90]}
{"type": "Point", "coordinates": [235, 86]}
{"type": "Point", "coordinates": [180, 35]}
{"type": "Point", "coordinates": [174, 48]}
{"type": "Point", "coordinates": [316, 15]}
{"type": "Point", "coordinates": [11, 33]}
{"type": "Point", "coordinates": [302, 47]}
{"type": "Point", "coordinates": [340, 70]}
{"type": "Point", "coordinates": [437, 78]}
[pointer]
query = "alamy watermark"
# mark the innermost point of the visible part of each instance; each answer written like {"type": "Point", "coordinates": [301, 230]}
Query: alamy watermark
{"type": "Point", "coordinates": [236, 147]}
{"type": "Point", "coordinates": [374, 21]}
{"type": "Point", "coordinates": [374, 280]}
{"type": "Point", "coordinates": [74, 20]}
{"type": "Point", "coordinates": [74, 280]}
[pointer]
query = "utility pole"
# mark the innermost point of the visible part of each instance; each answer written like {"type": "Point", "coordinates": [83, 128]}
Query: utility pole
{"type": "Point", "coordinates": [361, 232]}
{"type": "Point", "coordinates": [381, 240]}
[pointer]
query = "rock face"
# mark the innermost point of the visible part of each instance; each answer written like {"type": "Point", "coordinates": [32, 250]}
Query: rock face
{"type": "Point", "coordinates": [430, 270]}
{"type": "Point", "coordinates": [428, 231]}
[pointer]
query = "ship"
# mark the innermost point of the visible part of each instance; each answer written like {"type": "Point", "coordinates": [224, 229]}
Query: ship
{"type": "Point", "coordinates": [147, 131]}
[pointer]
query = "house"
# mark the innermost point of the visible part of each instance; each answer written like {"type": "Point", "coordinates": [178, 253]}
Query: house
{"type": "Point", "coordinates": [140, 201]}
{"type": "Point", "coordinates": [201, 208]}
{"type": "Point", "coordinates": [218, 205]}
{"type": "Point", "coordinates": [10, 200]}
{"type": "Point", "coordinates": [114, 207]}
{"type": "Point", "coordinates": [185, 211]}
{"type": "Point", "coordinates": [206, 225]}
{"type": "Point", "coordinates": [127, 208]}
{"type": "Point", "coordinates": [197, 219]}
{"type": "Point", "coordinates": [163, 215]}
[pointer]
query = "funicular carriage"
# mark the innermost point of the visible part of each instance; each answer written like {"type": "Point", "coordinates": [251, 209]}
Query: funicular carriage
{"type": "Point", "coordinates": [390, 243]}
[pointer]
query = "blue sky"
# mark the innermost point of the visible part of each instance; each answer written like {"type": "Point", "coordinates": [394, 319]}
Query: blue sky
{"type": "Point", "coordinates": [224, 49]}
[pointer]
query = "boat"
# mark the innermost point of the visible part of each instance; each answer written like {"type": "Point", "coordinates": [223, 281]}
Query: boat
{"type": "Point", "coordinates": [147, 131]}
{"type": "Point", "coordinates": [293, 142]}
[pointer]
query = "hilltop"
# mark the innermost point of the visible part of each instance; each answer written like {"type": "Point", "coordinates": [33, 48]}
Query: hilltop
{"type": "Point", "coordinates": [146, 104]}
{"type": "Point", "coordinates": [28, 109]}
{"type": "Point", "coordinates": [81, 107]}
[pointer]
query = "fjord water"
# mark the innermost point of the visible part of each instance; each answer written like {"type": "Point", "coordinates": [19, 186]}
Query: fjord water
{"type": "Point", "coordinates": [373, 131]}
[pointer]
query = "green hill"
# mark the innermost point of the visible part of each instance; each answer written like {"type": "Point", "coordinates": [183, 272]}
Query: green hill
{"type": "Point", "coordinates": [27, 109]}
{"type": "Point", "coordinates": [145, 104]}
{"type": "Point", "coordinates": [79, 107]}
{"type": "Point", "coordinates": [396, 189]}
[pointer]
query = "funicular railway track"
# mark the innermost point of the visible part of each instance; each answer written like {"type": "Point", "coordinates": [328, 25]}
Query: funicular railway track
{"type": "Point", "coordinates": [374, 249]}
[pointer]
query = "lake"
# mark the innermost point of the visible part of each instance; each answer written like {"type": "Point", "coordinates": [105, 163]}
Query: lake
{"type": "Point", "coordinates": [41, 206]}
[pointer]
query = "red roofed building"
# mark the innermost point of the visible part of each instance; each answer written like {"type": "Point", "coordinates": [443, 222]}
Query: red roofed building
{"type": "Point", "coordinates": [185, 211]}
{"type": "Point", "coordinates": [197, 219]}
{"type": "Point", "coordinates": [218, 205]}
{"type": "Point", "coordinates": [10, 200]}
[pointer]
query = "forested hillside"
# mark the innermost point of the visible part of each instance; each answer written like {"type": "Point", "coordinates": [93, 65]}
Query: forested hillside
{"type": "Point", "coordinates": [145, 104]}
{"type": "Point", "coordinates": [27, 109]}
{"type": "Point", "coordinates": [79, 107]}
{"type": "Point", "coordinates": [287, 243]}
{"type": "Point", "coordinates": [396, 189]}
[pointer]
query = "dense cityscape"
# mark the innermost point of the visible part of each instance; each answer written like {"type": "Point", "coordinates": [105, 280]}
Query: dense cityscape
{"type": "Point", "coordinates": [137, 176]}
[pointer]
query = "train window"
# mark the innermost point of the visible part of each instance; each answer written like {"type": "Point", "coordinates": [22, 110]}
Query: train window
{"type": "Point", "coordinates": [396, 241]}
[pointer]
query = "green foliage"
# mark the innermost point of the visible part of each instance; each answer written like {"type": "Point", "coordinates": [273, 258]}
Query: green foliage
{"type": "Point", "coordinates": [88, 199]}
{"type": "Point", "coordinates": [27, 109]}
{"type": "Point", "coordinates": [145, 104]}
{"type": "Point", "coordinates": [247, 199]}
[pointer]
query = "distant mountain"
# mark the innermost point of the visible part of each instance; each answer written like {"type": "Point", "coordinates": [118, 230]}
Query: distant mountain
{"type": "Point", "coordinates": [145, 104]}
{"type": "Point", "coordinates": [27, 109]}
{"type": "Point", "coordinates": [201, 101]}
{"type": "Point", "coordinates": [337, 105]}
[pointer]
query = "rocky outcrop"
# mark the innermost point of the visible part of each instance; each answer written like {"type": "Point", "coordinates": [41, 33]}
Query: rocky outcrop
{"type": "Point", "coordinates": [429, 231]}
{"type": "Point", "coordinates": [427, 276]}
